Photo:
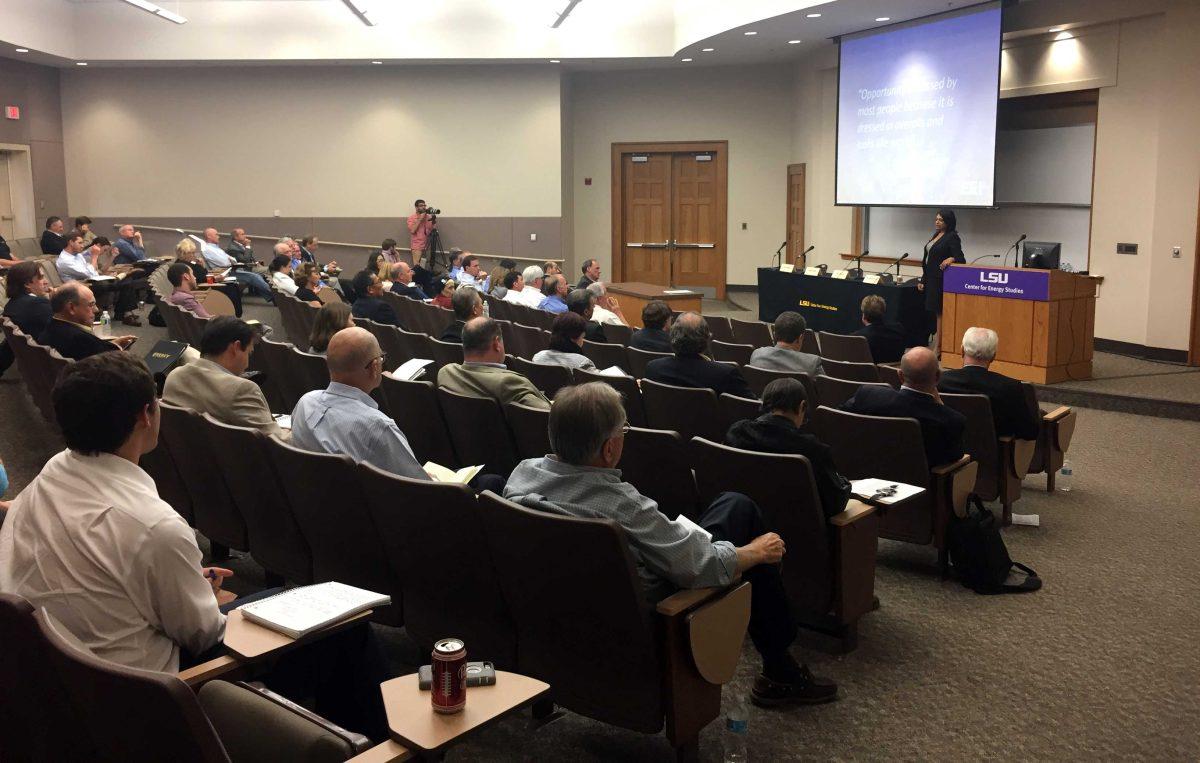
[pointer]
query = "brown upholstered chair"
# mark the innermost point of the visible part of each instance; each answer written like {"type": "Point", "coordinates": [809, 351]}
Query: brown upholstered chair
{"type": "Point", "coordinates": [506, 329]}
{"type": "Point", "coordinates": [631, 394]}
{"type": "Point", "coordinates": [215, 302]}
{"type": "Point", "coordinates": [415, 344]}
{"type": "Point", "coordinates": [443, 354]}
{"type": "Point", "coordinates": [294, 326]}
{"type": "Point", "coordinates": [161, 467]}
{"type": "Point", "coordinates": [530, 429]}
{"type": "Point", "coordinates": [1054, 437]}
{"type": "Point", "coordinates": [889, 374]}
{"type": "Point", "coordinates": [438, 318]}
{"type": "Point", "coordinates": [275, 539]}
{"type": "Point", "coordinates": [638, 359]}
{"type": "Point", "coordinates": [720, 328]}
{"type": "Point", "coordinates": [753, 333]}
{"type": "Point", "coordinates": [658, 464]}
{"type": "Point", "coordinates": [618, 333]}
{"type": "Point", "coordinates": [310, 370]}
{"type": "Point", "coordinates": [275, 358]}
{"type": "Point", "coordinates": [809, 343]}
{"type": "Point", "coordinates": [548, 377]}
{"type": "Point", "coordinates": [576, 600]}
{"type": "Point", "coordinates": [759, 378]}
{"type": "Point", "coordinates": [829, 569]}
{"type": "Point", "coordinates": [833, 392]}
{"type": "Point", "coordinates": [892, 449]}
{"type": "Point", "coordinates": [848, 348]}
{"type": "Point", "coordinates": [327, 501]}
{"type": "Point", "coordinates": [478, 432]}
{"type": "Point", "coordinates": [433, 539]}
{"type": "Point", "coordinates": [734, 353]}
{"type": "Point", "coordinates": [214, 510]}
{"type": "Point", "coordinates": [39, 366]}
{"type": "Point", "coordinates": [856, 372]}
{"type": "Point", "coordinates": [606, 355]}
{"type": "Point", "coordinates": [404, 308]}
{"type": "Point", "coordinates": [389, 341]}
{"type": "Point", "coordinates": [733, 409]}
{"type": "Point", "coordinates": [1003, 461]}
{"type": "Point", "coordinates": [688, 411]}
{"type": "Point", "coordinates": [529, 341]}
{"type": "Point", "coordinates": [415, 408]}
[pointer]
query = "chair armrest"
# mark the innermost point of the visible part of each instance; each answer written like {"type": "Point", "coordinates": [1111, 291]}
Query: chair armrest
{"type": "Point", "coordinates": [356, 741]}
{"type": "Point", "coordinates": [198, 675]}
{"type": "Point", "coordinates": [388, 752]}
{"type": "Point", "coordinates": [690, 598]}
{"type": "Point", "coordinates": [940, 471]}
{"type": "Point", "coordinates": [1021, 452]}
{"type": "Point", "coordinates": [1057, 414]}
{"type": "Point", "coordinates": [854, 511]}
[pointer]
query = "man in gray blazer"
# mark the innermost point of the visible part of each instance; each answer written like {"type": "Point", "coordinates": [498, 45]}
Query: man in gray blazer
{"type": "Point", "coordinates": [483, 373]}
{"type": "Point", "coordinates": [214, 384]}
{"type": "Point", "coordinates": [786, 355]}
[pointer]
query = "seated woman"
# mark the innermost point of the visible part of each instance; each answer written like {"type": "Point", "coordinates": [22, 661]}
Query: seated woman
{"type": "Point", "coordinates": [188, 253]}
{"type": "Point", "coordinates": [331, 318]}
{"type": "Point", "coordinates": [784, 407]}
{"type": "Point", "coordinates": [566, 343]}
{"type": "Point", "coordinates": [281, 274]}
{"type": "Point", "coordinates": [448, 285]}
{"type": "Point", "coordinates": [308, 283]}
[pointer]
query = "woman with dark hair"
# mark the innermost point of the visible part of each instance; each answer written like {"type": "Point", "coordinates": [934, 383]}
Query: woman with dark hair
{"type": "Point", "coordinates": [281, 274]}
{"type": "Point", "coordinates": [447, 287]}
{"type": "Point", "coordinates": [28, 306]}
{"type": "Point", "coordinates": [331, 318]}
{"type": "Point", "coordinates": [943, 249]}
{"type": "Point", "coordinates": [308, 283]}
{"type": "Point", "coordinates": [566, 343]}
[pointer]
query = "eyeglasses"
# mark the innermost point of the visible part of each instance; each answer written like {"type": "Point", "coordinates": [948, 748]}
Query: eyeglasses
{"type": "Point", "coordinates": [382, 360]}
{"type": "Point", "coordinates": [625, 429]}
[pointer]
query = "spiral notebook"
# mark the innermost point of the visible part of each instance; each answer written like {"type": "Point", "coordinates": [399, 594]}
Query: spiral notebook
{"type": "Point", "coordinates": [300, 611]}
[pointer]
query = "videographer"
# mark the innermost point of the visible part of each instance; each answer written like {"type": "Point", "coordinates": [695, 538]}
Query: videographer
{"type": "Point", "coordinates": [421, 225]}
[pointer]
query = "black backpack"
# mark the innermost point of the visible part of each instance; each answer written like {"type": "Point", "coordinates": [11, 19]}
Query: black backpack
{"type": "Point", "coordinates": [979, 555]}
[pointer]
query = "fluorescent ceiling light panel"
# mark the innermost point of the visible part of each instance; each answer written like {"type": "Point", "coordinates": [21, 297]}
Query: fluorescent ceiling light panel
{"type": "Point", "coordinates": [157, 10]}
{"type": "Point", "coordinates": [566, 12]}
{"type": "Point", "coordinates": [356, 8]}
{"type": "Point", "coordinates": [22, 50]}
{"type": "Point", "coordinates": [813, 16]}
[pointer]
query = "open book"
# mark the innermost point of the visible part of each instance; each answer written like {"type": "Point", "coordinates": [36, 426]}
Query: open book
{"type": "Point", "coordinates": [443, 474]}
{"type": "Point", "coordinates": [883, 492]}
{"type": "Point", "coordinates": [300, 611]}
{"type": "Point", "coordinates": [411, 369]}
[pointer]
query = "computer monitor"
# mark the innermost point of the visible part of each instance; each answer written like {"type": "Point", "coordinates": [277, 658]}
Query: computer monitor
{"type": "Point", "coordinates": [1042, 255]}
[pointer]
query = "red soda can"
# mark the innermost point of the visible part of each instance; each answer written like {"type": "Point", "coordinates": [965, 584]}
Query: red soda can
{"type": "Point", "coordinates": [449, 668]}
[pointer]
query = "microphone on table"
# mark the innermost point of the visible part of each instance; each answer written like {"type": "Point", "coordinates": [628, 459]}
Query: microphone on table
{"type": "Point", "coordinates": [858, 261]}
{"type": "Point", "coordinates": [1016, 252]}
{"type": "Point", "coordinates": [779, 255]}
{"type": "Point", "coordinates": [986, 256]}
{"type": "Point", "coordinates": [804, 256]}
{"type": "Point", "coordinates": [902, 258]}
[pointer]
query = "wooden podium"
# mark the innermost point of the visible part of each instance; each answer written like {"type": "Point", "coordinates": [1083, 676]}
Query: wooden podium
{"type": "Point", "coordinates": [634, 296]}
{"type": "Point", "coordinates": [1045, 318]}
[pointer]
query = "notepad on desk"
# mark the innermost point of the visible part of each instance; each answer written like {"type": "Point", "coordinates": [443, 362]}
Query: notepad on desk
{"type": "Point", "coordinates": [411, 369]}
{"type": "Point", "coordinates": [444, 474]}
{"type": "Point", "coordinates": [883, 492]}
{"type": "Point", "coordinates": [284, 420]}
{"type": "Point", "coordinates": [300, 611]}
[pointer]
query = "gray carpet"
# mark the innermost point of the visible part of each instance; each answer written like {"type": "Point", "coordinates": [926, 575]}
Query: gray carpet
{"type": "Point", "coordinates": [1100, 664]}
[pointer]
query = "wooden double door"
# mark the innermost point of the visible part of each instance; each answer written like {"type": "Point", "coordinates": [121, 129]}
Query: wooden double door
{"type": "Point", "coordinates": [669, 214]}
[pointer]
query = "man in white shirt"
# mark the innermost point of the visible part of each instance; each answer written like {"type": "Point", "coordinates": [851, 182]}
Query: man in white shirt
{"type": "Point", "coordinates": [472, 274]}
{"type": "Point", "coordinates": [531, 294]}
{"type": "Point", "coordinates": [514, 284]}
{"type": "Point", "coordinates": [73, 264]}
{"type": "Point", "coordinates": [606, 309]}
{"type": "Point", "coordinates": [217, 259]}
{"type": "Point", "coordinates": [90, 540]}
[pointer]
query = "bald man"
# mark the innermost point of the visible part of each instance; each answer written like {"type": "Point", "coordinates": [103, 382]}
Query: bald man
{"type": "Point", "coordinates": [942, 427]}
{"type": "Point", "coordinates": [216, 258]}
{"type": "Point", "coordinates": [342, 418]}
{"type": "Point", "coordinates": [402, 282]}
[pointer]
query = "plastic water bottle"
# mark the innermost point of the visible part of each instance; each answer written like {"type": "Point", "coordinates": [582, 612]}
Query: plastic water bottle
{"type": "Point", "coordinates": [1064, 477]}
{"type": "Point", "coordinates": [105, 324]}
{"type": "Point", "coordinates": [486, 309]}
{"type": "Point", "coordinates": [736, 728]}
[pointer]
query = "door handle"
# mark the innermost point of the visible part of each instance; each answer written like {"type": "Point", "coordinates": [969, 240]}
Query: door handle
{"type": "Point", "coordinates": [650, 245]}
{"type": "Point", "coordinates": [680, 245]}
{"type": "Point", "coordinates": [6, 217]}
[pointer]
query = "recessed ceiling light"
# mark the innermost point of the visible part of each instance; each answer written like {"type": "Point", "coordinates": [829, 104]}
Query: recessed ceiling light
{"type": "Point", "coordinates": [81, 63]}
{"type": "Point", "coordinates": [555, 61]}
{"type": "Point", "coordinates": [707, 50]}
{"type": "Point", "coordinates": [884, 18]}
{"type": "Point", "coordinates": [686, 60]}
{"type": "Point", "coordinates": [813, 16]}
{"type": "Point", "coordinates": [749, 34]}
{"type": "Point", "coordinates": [154, 8]}
{"type": "Point", "coordinates": [377, 63]}
{"type": "Point", "coordinates": [22, 50]}
{"type": "Point", "coordinates": [794, 42]}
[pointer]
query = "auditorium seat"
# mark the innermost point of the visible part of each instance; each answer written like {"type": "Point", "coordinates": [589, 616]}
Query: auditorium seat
{"type": "Point", "coordinates": [848, 348]}
{"type": "Point", "coordinates": [631, 394]}
{"type": "Point", "coordinates": [214, 510]}
{"type": "Point", "coordinates": [618, 333]}
{"type": "Point", "coordinates": [733, 409]}
{"type": "Point", "coordinates": [403, 307]}
{"type": "Point", "coordinates": [439, 318]}
{"type": "Point", "coordinates": [327, 500]}
{"type": "Point", "coordinates": [275, 539]}
{"type": "Point", "coordinates": [606, 355]}
{"type": "Point", "coordinates": [829, 568]}
{"type": "Point", "coordinates": [415, 344]}
{"type": "Point", "coordinates": [434, 542]}
{"type": "Point", "coordinates": [833, 392]}
{"type": "Point", "coordinates": [548, 377]}
{"type": "Point", "coordinates": [414, 406]}
{"type": "Point", "coordinates": [173, 316]}
{"type": "Point", "coordinates": [478, 432]}
{"type": "Point", "coordinates": [311, 370]}
{"type": "Point", "coordinates": [328, 295]}
{"type": "Point", "coordinates": [294, 327]}
{"type": "Point", "coordinates": [847, 371]}
{"type": "Point", "coordinates": [506, 331]}
{"type": "Point", "coordinates": [753, 333]}
{"type": "Point", "coordinates": [690, 412]}
{"type": "Point", "coordinates": [162, 468]}
{"type": "Point", "coordinates": [657, 463]}
{"type": "Point", "coordinates": [758, 379]}
{"type": "Point", "coordinates": [718, 326]}
{"type": "Point", "coordinates": [529, 340]}
{"type": "Point", "coordinates": [809, 343]}
{"type": "Point", "coordinates": [1003, 461]}
{"type": "Point", "coordinates": [1054, 437]}
{"type": "Point", "coordinates": [638, 359]}
{"type": "Point", "coordinates": [735, 353]}
{"type": "Point", "coordinates": [530, 429]}
{"type": "Point", "coordinates": [891, 449]}
{"type": "Point", "coordinates": [443, 354]}
{"type": "Point", "coordinates": [889, 374]}
{"type": "Point", "coordinates": [583, 625]}
{"type": "Point", "coordinates": [215, 302]}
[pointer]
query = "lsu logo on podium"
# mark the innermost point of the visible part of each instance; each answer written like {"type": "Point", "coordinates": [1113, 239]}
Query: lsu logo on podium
{"type": "Point", "coordinates": [993, 277]}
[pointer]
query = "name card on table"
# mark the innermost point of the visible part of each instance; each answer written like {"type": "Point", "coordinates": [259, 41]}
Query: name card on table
{"type": "Point", "coordinates": [787, 267]}
{"type": "Point", "coordinates": [998, 282]}
{"type": "Point", "coordinates": [840, 274]}
{"type": "Point", "coordinates": [871, 278]}
{"type": "Point", "coordinates": [812, 270]}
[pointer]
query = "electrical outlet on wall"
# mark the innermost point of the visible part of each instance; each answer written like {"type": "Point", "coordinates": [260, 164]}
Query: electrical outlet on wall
{"type": "Point", "coordinates": [1176, 252]}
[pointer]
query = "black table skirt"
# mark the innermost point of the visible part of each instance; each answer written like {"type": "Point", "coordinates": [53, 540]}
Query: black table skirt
{"type": "Point", "coordinates": [831, 304]}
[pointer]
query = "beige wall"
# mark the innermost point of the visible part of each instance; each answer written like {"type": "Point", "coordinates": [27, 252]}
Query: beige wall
{"type": "Point", "coordinates": [313, 141]}
{"type": "Point", "coordinates": [748, 106]}
{"type": "Point", "coordinates": [35, 89]}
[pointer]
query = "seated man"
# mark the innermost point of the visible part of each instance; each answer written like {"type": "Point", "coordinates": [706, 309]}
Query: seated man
{"type": "Point", "coordinates": [886, 340]}
{"type": "Point", "coordinates": [129, 246]}
{"type": "Point", "coordinates": [343, 418]}
{"type": "Point", "coordinates": [786, 354]}
{"type": "Point", "coordinates": [583, 303]}
{"type": "Point", "coordinates": [580, 479]}
{"type": "Point", "coordinates": [514, 284]}
{"type": "Point", "coordinates": [26, 288]}
{"type": "Point", "coordinates": [784, 408]}
{"type": "Point", "coordinates": [70, 330]}
{"type": "Point", "coordinates": [1012, 415]}
{"type": "Point", "coordinates": [689, 368]}
{"type": "Point", "coordinates": [183, 280]}
{"type": "Point", "coordinates": [531, 292]}
{"type": "Point", "coordinates": [53, 241]}
{"type": "Point", "coordinates": [656, 322]}
{"type": "Point", "coordinates": [402, 282]}
{"type": "Point", "coordinates": [591, 273]}
{"type": "Point", "coordinates": [554, 294]}
{"type": "Point", "coordinates": [370, 304]}
{"type": "Point", "coordinates": [241, 248]}
{"type": "Point", "coordinates": [214, 384]}
{"type": "Point", "coordinates": [215, 257]}
{"type": "Point", "coordinates": [472, 273]}
{"type": "Point", "coordinates": [482, 372]}
{"type": "Point", "coordinates": [77, 262]}
{"type": "Point", "coordinates": [467, 305]}
{"type": "Point", "coordinates": [942, 428]}
{"type": "Point", "coordinates": [607, 311]}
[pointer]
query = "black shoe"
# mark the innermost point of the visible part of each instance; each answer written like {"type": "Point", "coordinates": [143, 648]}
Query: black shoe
{"type": "Point", "coordinates": [801, 687]}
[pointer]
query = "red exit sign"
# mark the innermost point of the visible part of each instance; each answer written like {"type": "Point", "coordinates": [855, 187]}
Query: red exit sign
{"type": "Point", "coordinates": [12, 112]}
